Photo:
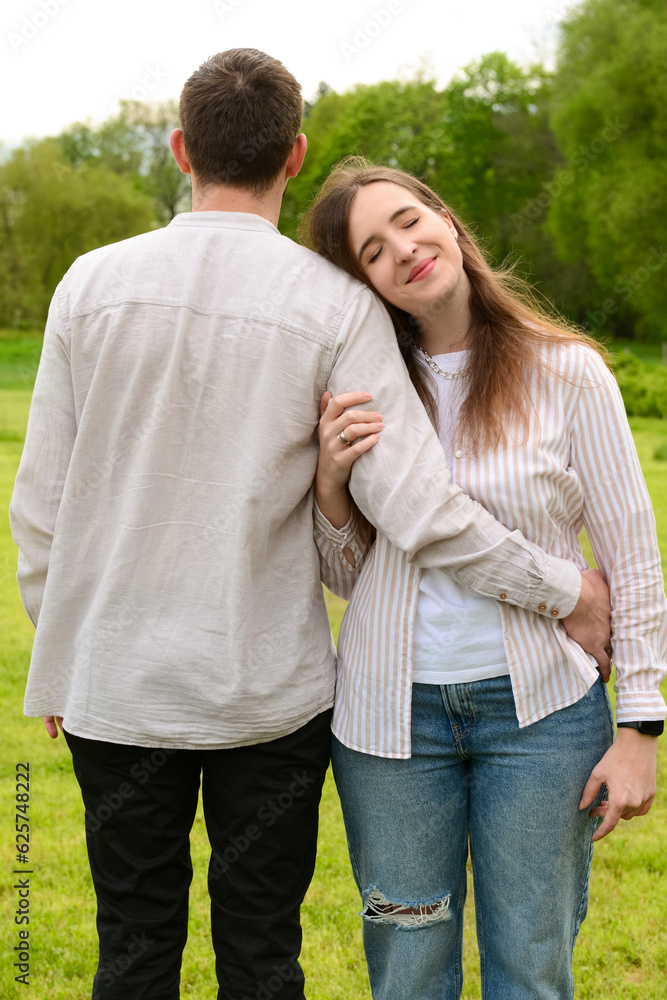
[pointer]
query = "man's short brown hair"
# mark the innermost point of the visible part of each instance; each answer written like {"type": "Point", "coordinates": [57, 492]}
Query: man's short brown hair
{"type": "Point", "coordinates": [240, 114]}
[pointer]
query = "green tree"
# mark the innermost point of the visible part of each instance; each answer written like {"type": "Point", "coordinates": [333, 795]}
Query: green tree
{"type": "Point", "coordinates": [498, 149]}
{"type": "Point", "coordinates": [610, 120]}
{"type": "Point", "coordinates": [135, 144]}
{"type": "Point", "coordinates": [391, 122]}
{"type": "Point", "coordinates": [51, 213]}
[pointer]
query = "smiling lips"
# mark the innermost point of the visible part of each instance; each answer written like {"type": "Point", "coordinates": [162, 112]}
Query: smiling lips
{"type": "Point", "coordinates": [421, 270]}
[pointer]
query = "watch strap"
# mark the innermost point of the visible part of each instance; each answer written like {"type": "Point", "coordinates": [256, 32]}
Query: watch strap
{"type": "Point", "coordinates": [649, 727]}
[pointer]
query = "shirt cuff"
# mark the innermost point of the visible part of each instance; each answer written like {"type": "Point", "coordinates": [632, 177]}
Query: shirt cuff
{"type": "Point", "coordinates": [343, 538]}
{"type": "Point", "coordinates": [558, 593]}
{"type": "Point", "coordinates": [340, 537]}
{"type": "Point", "coordinates": [640, 706]}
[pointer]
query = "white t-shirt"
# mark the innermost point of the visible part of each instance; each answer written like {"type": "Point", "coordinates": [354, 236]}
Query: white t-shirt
{"type": "Point", "coordinates": [458, 635]}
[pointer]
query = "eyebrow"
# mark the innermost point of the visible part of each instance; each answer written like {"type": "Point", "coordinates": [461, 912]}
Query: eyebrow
{"type": "Point", "coordinates": [392, 218]}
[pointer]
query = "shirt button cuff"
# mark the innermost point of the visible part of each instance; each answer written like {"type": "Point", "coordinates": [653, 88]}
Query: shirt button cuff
{"type": "Point", "coordinates": [554, 612]}
{"type": "Point", "coordinates": [542, 607]}
{"type": "Point", "coordinates": [503, 597]}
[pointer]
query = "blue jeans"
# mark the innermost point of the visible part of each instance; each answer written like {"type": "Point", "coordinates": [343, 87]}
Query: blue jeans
{"type": "Point", "coordinates": [474, 776]}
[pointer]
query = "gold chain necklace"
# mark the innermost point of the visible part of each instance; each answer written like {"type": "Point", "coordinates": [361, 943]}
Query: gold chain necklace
{"type": "Point", "coordinates": [437, 369]}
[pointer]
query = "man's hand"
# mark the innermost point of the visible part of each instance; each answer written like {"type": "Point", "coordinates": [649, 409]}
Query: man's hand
{"type": "Point", "coordinates": [52, 722]}
{"type": "Point", "coordinates": [590, 622]}
{"type": "Point", "coordinates": [628, 770]}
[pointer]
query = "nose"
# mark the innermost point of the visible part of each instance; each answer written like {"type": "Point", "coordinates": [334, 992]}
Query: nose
{"type": "Point", "coordinates": [404, 248]}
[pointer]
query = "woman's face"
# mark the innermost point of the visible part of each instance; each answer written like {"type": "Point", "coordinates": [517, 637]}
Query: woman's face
{"type": "Point", "coordinates": [408, 252]}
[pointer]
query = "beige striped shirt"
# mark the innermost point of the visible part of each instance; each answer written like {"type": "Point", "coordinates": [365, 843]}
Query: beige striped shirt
{"type": "Point", "coordinates": [578, 468]}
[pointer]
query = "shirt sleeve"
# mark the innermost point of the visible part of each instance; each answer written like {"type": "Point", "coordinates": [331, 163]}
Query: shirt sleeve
{"type": "Point", "coordinates": [46, 456]}
{"type": "Point", "coordinates": [619, 520]}
{"type": "Point", "coordinates": [403, 486]}
{"type": "Point", "coordinates": [337, 573]}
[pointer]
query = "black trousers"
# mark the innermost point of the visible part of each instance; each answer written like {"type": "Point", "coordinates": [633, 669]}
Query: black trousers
{"type": "Point", "coordinates": [261, 808]}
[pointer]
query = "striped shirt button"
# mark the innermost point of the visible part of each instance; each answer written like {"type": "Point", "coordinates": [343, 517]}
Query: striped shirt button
{"type": "Point", "coordinates": [457, 454]}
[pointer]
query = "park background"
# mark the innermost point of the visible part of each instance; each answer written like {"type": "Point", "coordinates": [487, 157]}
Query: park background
{"type": "Point", "coordinates": [560, 166]}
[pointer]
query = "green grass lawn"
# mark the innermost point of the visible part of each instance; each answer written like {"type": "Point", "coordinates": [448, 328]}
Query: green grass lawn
{"type": "Point", "coordinates": [622, 948]}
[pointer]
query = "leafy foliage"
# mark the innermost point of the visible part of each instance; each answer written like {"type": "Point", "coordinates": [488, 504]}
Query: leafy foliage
{"type": "Point", "coordinates": [135, 144]}
{"type": "Point", "coordinates": [610, 120]}
{"type": "Point", "coordinates": [644, 389]}
{"type": "Point", "coordinates": [51, 213]}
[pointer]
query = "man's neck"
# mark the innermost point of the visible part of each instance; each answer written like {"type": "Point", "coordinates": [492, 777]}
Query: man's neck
{"type": "Point", "coordinates": [223, 198]}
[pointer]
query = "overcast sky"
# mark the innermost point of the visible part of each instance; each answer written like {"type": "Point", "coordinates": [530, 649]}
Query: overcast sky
{"type": "Point", "coordinates": [72, 60]}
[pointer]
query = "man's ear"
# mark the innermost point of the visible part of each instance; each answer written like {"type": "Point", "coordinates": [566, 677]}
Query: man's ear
{"type": "Point", "coordinates": [295, 159]}
{"type": "Point", "coordinates": [178, 149]}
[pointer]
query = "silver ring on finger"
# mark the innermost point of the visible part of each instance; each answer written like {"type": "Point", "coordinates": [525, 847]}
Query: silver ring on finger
{"type": "Point", "coordinates": [343, 439]}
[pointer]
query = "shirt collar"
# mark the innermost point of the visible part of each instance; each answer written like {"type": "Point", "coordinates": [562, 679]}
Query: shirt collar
{"type": "Point", "coordinates": [224, 220]}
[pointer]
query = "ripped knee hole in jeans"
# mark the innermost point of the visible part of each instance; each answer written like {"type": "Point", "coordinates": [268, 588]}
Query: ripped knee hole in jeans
{"type": "Point", "coordinates": [379, 908]}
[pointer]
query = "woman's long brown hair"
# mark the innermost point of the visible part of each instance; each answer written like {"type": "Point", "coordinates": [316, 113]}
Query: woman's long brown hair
{"type": "Point", "coordinates": [508, 325]}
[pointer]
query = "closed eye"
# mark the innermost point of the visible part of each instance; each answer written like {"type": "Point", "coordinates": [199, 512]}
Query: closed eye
{"type": "Point", "coordinates": [377, 252]}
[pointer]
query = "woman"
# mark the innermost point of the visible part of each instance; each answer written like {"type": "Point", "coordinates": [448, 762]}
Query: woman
{"type": "Point", "coordinates": [458, 718]}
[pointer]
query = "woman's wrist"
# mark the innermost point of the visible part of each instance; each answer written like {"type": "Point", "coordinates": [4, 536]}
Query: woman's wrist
{"type": "Point", "coordinates": [335, 505]}
{"type": "Point", "coordinates": [643, 742]}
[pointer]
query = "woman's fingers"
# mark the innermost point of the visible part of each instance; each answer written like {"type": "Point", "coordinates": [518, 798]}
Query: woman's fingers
{"type": "Point", "coordinates": [339, 421]}
{"type": "Point", "coordinates": [336, 405]}
{"type": "Point", "coordinates": [628, 769]}
{"type": "Point", "coordinates": [344, 434]}
{"type": "Point", "coordinates": [324, 402]}
{"type": "Point", "coordinates": [361, 424]}
{"type": "Point", "coordinates": [350, 453]}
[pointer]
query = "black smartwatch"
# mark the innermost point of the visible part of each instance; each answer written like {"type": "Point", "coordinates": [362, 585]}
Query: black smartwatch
{"type": "Point", "coordinates": [650, 727]}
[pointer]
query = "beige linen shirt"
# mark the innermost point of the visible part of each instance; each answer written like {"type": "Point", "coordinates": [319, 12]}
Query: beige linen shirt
{"type": "Point", "coordinates": [577, 468]}
{"type": "Point", "coordinates": [163, 506]}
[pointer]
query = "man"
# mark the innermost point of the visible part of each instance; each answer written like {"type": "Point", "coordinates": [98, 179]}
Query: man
{"type": "Point", "coordinates": [163, 511]}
